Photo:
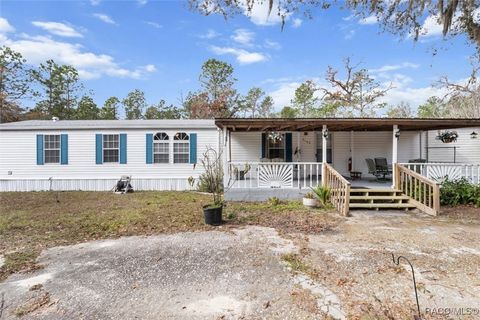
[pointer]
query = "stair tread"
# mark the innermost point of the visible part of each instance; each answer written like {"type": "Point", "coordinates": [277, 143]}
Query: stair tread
{"type": "Point", "coordinates": [381, 205]}
{"type": "Point", "coordinates": [354, 190]}
{"type": "Point", "coordinates": [380, 197]}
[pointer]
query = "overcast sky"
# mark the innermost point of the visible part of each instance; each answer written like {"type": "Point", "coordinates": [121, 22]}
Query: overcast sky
{"type": "Point", "coordinates": [159, 47]}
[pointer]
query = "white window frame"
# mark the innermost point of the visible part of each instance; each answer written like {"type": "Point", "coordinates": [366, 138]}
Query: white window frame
{"type": "Point", "coordinates": [59, 149]}
{"type": "Point", "coordinates": [103, 147]}
{"type": "Point", "coordinates": [163, 141]}
{"type": "Point", "coordinates": [183, 141]}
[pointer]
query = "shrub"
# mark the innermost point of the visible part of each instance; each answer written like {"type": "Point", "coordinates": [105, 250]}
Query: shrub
{"type": "Point", "coordinates": [274, 201]}
{"type": "Point", "coordinates": [323, 194]}
{"type": "Point", "coordinates": [211, 180]}
{"type": "Point", "coordinates": [456, 192]}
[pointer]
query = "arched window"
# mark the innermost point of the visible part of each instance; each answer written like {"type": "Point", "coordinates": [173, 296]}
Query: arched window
{"type": "Point", "coordinates": [181, 148]}
{"type": "Point", "coordinates": [161, 148]}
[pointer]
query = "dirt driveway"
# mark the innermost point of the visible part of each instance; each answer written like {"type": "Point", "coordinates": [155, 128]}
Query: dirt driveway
{"type": "Point", "coordinates": [254, 273]}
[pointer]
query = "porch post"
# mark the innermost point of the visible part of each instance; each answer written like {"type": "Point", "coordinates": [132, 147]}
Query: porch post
{"type": "Point", "coordinates": [352, 150]}
{"type": "Point", "coordinates": [394, 152]}
{"type": "Point", "coordinates": [324, 153]}
{"type": "Point", "coordinates": [226, 152]}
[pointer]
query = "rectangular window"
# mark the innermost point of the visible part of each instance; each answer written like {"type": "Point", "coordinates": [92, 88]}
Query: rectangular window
{"type": "Point", "coordinates": [52, 148]}
{"type": "Point", "coordinates": [181, 152]}
{"type": "Point", "coordinates": [111, 148]}
{"type": "Point", "coordinates": [160, 152]}
{"type": "Point", "coordinates": [276, 148]}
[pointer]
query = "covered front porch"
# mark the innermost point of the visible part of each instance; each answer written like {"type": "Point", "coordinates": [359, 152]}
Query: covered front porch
{"type": "Point", "coordinates": [285, 157]}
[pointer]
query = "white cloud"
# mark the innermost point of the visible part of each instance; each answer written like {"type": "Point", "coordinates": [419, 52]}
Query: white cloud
{"type": "Point", "coordinates": [142, 2]}
{"type": "Point", "coordinates": [58, 28]}
{"type": "Point", "coordinates": [413, 96]}
{"type": "Point", "coordinates": [296, 23]}
{"type": "Point", "coordinates": [94, 2]}
{"type": "Point", "coordinates": [393, 67]}
{"type": "Point", "coordinates": [259, 13]}
{"type": "Point", "coordinates": [283, 95]}
{"type": "Point", "coordinates": [210, 34]}
{"type": "Point", "coordinates": [285, 88]}
{"type": "Point", "coordinates": [5, 26]}
{"type": "Point", "coordinates": [243, 36]}
{"type": "Point", "coordinates": [38, 49]}
{"type": "Point", "coordinates": [272, 44]}
{"type": "Point", "coordinates": [242, 56]}
{"type": "Point", "coordinates": [150, 68]}
{"type": "Point", "coordinates": [154, 24]}
{"type": "Point", "coordinates": [431, 27]}
{"type": "Point", "coordinates": [105, 18]}
{"type": "Point", "coordinates": [368, 20]}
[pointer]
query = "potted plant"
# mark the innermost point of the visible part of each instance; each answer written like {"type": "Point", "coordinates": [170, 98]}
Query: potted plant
{"type": "Point", "coordinates": [323, 194]}
{"type": "Point", "coordinates": [309, 200]}
{"type": "Point", "coordinates": [211, 181]}
{"type": "Point", "coordinates": [448, 136]}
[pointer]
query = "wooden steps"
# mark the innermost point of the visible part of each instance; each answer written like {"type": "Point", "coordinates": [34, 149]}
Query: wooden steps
{"type": "Point", "coordinates": [384, 198]}
{"type": "Point", "coordinates": [381, 205]}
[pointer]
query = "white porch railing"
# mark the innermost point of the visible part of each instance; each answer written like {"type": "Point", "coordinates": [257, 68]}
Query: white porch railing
{"type": "Point", "coordinates": [440, 171]}
{"type": "Point", "coordinates": [275, 174]}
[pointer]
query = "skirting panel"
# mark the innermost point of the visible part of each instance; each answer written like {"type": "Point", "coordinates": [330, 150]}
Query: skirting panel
{"type": "Point", "coordinates": [144, 184]}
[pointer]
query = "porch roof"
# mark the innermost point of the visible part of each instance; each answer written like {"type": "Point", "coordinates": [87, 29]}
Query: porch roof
{"type": "Point", "coordinates": [343, 124]}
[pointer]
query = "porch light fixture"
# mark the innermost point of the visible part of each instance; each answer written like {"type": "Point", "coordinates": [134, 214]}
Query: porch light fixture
{"type": "Point", "coordinates": [473, 135]}
{"type": "Point", "coordinates": [397, 133]}
{"type": "Point", "coordinates": [325, 133]}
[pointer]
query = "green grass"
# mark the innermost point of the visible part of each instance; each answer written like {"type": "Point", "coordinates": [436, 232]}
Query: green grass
{"type": "Point", "coordinates": [33, 221]}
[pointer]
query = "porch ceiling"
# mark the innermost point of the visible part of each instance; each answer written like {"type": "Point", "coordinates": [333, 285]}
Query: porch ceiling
{"type": "Point", "coordinates": [342, 124]}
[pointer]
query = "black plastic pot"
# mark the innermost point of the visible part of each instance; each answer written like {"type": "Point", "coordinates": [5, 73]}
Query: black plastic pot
{"type": "Point", "coordinates": [213, 215]}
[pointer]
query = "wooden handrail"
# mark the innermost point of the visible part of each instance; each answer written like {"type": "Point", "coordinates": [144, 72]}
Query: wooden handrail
{"type": "Point", "coordinates": [423, 192]}
{"type": "Point", "coordinates": [339, 189]}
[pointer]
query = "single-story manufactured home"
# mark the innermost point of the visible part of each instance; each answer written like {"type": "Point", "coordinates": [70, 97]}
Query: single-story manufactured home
{"type": "Point", "coordinates": [262, 157]}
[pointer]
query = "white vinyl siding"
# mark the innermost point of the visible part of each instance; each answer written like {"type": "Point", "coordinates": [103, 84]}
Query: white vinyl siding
{"type": "Point", "coordinates": [467, 150]}
{"type": "Point", "coordinates": [18, 157]}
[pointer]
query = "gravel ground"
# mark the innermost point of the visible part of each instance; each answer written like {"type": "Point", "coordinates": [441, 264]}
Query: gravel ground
{"type": "Point", "coordinates": [204, 275]}
{"type": "Point", "coordinates": [345, 273]}
{"type": "Point", "coordinates": [355, 262]}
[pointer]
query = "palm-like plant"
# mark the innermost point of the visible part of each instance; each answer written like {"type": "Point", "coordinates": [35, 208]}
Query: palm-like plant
{"type": "Point", "coordinates": [322, 193]}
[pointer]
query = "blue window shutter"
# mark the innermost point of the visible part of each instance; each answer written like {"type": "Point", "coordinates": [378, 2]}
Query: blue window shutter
{"type": "Point", "coordinates": [64, 149]}
{"type": "Point", "coordinates": [288, 147]}
{"type": "Point", "coordinates": [39, 149]}
{"type": "Point", "coordinates": [149, 150]}
{"type": "Point", "coordinates": [193, 148]}
{"type": "Point", "coordinates": [123, 148]}
{"type": "Point", "coordinates": [98, 148]}
{"type": "Point", "coordinates": [264, 145]}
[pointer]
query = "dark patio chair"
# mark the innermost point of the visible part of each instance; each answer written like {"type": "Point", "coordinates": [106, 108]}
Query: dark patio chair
{"type": "Point", "coordinates": [372, 169]}
{"type": "Point", "coordinates": [382, 165]}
